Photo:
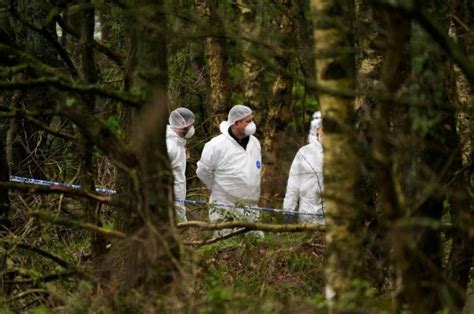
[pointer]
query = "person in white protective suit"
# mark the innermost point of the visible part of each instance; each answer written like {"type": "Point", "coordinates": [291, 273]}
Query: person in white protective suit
{"type": "Point", "coordinates": [305, 182]}
{"type": "Point", "coordinates": [230, 167]}
{"type": "Point", "coordinates": [179, 129]}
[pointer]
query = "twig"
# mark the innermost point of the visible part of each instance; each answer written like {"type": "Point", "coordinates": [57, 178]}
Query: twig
{"type": "Point", "coordinates": [27, 293]}
{"type": "Point", "coordinates": [252, 226]}
{"type": "Point", "coordinates": [216, 239]}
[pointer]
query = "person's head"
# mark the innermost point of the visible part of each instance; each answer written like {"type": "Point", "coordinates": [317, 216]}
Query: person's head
{"type": "Point", "coordinates": [316, 129]}
{"type": "Point", "coordinates": [181, 121]}
{"type": "Point", "coordinates": [317, 115]}
{"type": "Point", "coordinates": [241, 120]}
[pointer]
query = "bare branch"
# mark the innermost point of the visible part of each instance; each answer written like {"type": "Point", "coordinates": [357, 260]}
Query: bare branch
{"type": "Point", "coordinates": [51, 131]}
{"type": "Point", "coordinates": [252, 226]}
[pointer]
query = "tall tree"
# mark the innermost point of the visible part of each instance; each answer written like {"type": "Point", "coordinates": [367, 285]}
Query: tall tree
{"type": "Point", "coordinates": [87, 168]}
{"type": "Point", "coordinates": [335, 70]}
{"type": "Point", "coordinates": [391, 123]}
{"type": "Point", "coordinates": [368, 65]}
{"type": "Point", "coordinates": [158, 252]}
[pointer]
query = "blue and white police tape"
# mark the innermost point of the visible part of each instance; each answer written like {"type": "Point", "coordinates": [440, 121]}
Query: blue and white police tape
{"type": "Point", "coordinates": [185, 201]}
{"type": "Point", "coordinates": [52, 183]}
{"type": "Point", "coordinates": [245, 207]}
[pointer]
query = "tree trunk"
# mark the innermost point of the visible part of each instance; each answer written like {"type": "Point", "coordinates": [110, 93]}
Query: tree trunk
{"type": "Point", "coordinates": [368, 65]}
{"type": "Point", "coordinates": [343, 235]}
{"type": "Point", "coordinates": [462, 208]}
{"type": "Point", "coordinates": [253, 69]}
{"type": "Point", "coordinates": [279, 108]}
{"type": "Point", "coordinates": [4, 176]}
{"type": "Point", "coordinates": [216, 60]}
{"type": "Point", "coordinates": [87, 170]}
{"type": "Point", "coordinates": [153, 259]}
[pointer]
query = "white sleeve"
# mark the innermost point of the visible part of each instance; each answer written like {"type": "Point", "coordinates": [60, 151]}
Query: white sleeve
{"type": "Point", "coordinates": [293, 186]}
{"type": "Point", "coordinates": [206, 165]}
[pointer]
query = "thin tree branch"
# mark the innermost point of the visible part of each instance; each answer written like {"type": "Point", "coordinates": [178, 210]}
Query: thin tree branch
{"type": "Point", "coordinates": [72, 87]}
{"type": "Point", "coordinates": [78, 225]}
{"type": "Point", "coordinates": [58, 190]}
{"type": "Point", "coordinates": [252, 226]}
{"type": "Point", "coordinates": [44, 279]}
{"type": "Point", "coordinates": [24, 294]}
{"type": "Point", "coordinates": [6, 112]}
{"type": "Point", "coordinates": [39, 251]}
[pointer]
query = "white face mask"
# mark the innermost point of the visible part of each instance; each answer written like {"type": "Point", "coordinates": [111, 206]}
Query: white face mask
{"type": "Point", "coordinates": [190, 132]}
{"type": "Point", "coordinates": [250, 128]}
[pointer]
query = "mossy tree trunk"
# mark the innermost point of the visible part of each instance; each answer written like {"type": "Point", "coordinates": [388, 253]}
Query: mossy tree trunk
{"type": "Point", "coordinates": [462, 205]}
{"type": "Point", "coordinates": [335, 69]}
{"type": "Point", "coordinates": [216, 61]}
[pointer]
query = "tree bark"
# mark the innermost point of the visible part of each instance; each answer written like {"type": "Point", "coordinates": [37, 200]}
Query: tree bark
{"type": "Point", "coordinates": [368, 65]}
{"type": "Point", "coordinates": [335, 69]}
{"type": "Point", "coordinates": [253, 69]}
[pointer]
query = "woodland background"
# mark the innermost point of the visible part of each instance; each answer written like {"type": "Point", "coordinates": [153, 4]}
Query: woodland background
{"type": "Point", "coordinates": [86, 88]}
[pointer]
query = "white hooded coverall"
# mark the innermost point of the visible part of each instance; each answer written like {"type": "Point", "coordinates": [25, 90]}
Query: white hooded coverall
{"type": "Point", "coordinates": [305, 182]}
{"type": "Point", "coordinates": [177, 155]}
{"type": "Point", "coordinates": [232, 174]}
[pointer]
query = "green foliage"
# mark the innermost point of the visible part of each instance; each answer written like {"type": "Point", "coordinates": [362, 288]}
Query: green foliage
{"type": "Point", "coordinates": [42, 310]}
{"type": "Point", "coordinates": [361, 294]}
{"type": "Point", "coordinates": [79, 301]}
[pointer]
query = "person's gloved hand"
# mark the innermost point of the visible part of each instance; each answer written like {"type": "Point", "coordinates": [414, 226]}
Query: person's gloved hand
{"type": "Point", "coordinates": [288, 218]}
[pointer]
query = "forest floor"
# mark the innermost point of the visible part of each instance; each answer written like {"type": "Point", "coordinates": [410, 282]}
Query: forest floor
{"type": "Point", "coordinates": [282, 273]}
